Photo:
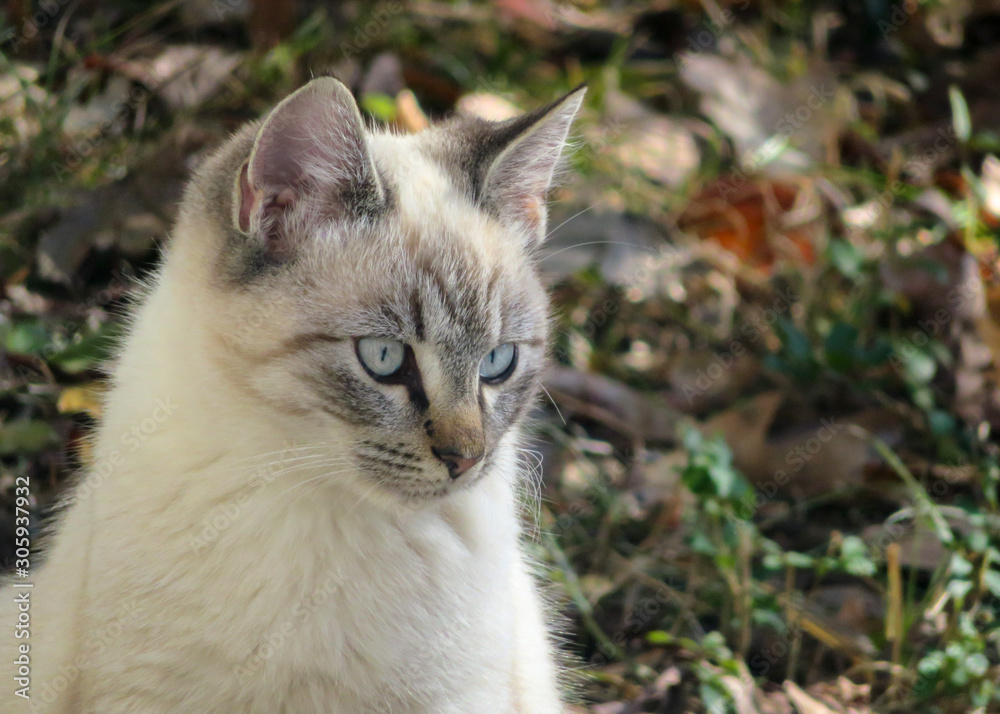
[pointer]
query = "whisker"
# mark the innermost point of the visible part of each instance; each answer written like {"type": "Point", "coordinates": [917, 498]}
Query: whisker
{"type": "Point", "coordinates": [363, 497]}
{"type": "Point", "coordinates": [553, 404]}
{"type": "Point", "coordinates": [277, 452]}
{"type": "Point", "coordinates": [597, 242]}
{"type": "Point", "coordinates": [317, 479]}
{"type": "Point", "coordinates": [575, 215]}
{"type": "Point", "coordinates": [276, 469]}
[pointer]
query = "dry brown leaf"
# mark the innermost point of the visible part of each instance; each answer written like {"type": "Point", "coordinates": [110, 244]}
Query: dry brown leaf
{"type": "Point", "coordinates": [18, 91]}
{"type": "Point", "coordinates": [776, 126]}
{"type": "Point", "coordinates": [660, 147]}
{"type": "Point", "coordinates": [483, 105]}
{"type": "Point", "coordinates": [409, 115]}
{"type": "Point", "coordinates": [775, 702]}
{"type": "Point", "coordinates": [813, 459]}
{"type": "Point", "coordinates": [991, 187]}
{"type": "Point", "coordinates": [183, 76]}
{"type": "Point", "coordinates": [607, 708]}
{"type": "Point", "coordinates": [85, 398]}
{"type": "Point", "coordinates": [756, 221]}
{"type": "Point", "coordinates": [670, 677]}
{"type": "Point", "coordinates": [616, 405]}
{"type": "Point", "coordinates": [988, 325]}
{"type": "Point", "coordinates": [804, 703]}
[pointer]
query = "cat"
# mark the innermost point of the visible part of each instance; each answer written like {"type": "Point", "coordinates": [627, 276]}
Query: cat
{"type": "Point", "coordinates": [305, 488]}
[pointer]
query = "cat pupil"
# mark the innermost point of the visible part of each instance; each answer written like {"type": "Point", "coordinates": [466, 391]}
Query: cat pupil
{"type": "Point", "coordinates": [385, 351]}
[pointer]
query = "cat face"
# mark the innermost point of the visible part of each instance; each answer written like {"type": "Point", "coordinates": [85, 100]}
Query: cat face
{"type": "Point", "coordinates": [395, 312]}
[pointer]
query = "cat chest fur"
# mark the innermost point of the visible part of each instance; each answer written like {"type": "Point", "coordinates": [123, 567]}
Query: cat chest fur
{"type": "Point", "coordinates": [401, 614]}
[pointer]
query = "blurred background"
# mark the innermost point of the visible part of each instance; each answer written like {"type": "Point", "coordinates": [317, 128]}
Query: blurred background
{"type": "Point", "coordinates": [768, 446]}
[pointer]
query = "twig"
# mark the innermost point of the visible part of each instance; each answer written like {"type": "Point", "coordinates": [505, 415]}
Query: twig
{"type": "Point", "coordinates": [605, 643]}
{"type": "Point", "coordinates": [926, 507]}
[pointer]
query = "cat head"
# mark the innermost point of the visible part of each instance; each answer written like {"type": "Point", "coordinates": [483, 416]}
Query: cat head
{"type": "Point", "coordinates": [379, 292]}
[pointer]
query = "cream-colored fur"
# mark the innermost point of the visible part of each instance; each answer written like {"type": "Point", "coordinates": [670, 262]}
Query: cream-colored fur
{"type": "Point", "coordinates": [224, 555]}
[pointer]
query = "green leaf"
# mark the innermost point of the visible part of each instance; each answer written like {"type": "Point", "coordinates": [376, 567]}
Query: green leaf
{"type": "Point", "coordinates": [770, 619]}
{"type": "Point", "coordinates": [715, 643]}
{"type": "Point", "coordinates": [932, 664]}
{"type": "Point", "coordinates": [853, 547]}
{"type": "Point", "coordinates": [978, 541]}
{"type": "Point", "coordinates": [977, 664]}
{"type": "Point", "coordinates": [841, 346]}
{"type": "Point", "coordinates": [991, 579]}
{"type": "Point", "coordinates": [877, 354]}
{"type": "Point", "coordinates": [917, 365]}
{"type": "Point", "coordinates": [710, 472]}
{"type": "Point", "coordinates": [796, 343]}
{"type": "Point", "coordinates": [958, 589]}
{"type": "Point", "coordinates": [380, 106]}
{"type": "Point", "coordinates": [659, 637]}
{"type": "Point", "coordinates": [862, 567]}
{"type": "Point", "coordinates": [959, 114]}
{"type": "Point", "coordinates": [959, 566]}
{"type": "Point", "coordinates": [26, 436]}
{"type": "Point", "coordinates": [798, 560]}
{"type": "Point", "coordinates": [773, 562]}
{"type": "Point", "coordinates": [28, 337]}
{"type": "Point", "coordinates": [713, 700]}
{"type": "Point", "coordinates": [701, 544]}
{"type": "Point", "coordinates": [846, 258]}
{"type": "Point", "coordinates": [959, 676]}
{"type": "Point", "coordinates": [89, 350]}
{"type": "Point", "coordinates": [941, 422]}
{"type": "Point", "coordinates": [854, 557]}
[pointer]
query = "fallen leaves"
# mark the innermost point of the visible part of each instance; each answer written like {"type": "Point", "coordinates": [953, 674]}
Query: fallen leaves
{"type": "Point", "coordinates": [757, 221]}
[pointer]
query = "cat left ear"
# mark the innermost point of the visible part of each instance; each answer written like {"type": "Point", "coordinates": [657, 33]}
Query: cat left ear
{"type": "Point", "coordinates": [310, 163]}
{"type": "Point", "coordinates": [516, 182]}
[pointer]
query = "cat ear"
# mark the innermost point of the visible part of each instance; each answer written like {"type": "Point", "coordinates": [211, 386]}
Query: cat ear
{"type": "Point", "coordinates": [516, 180]}
{"type": "Point", "coordinates": [310, 163]}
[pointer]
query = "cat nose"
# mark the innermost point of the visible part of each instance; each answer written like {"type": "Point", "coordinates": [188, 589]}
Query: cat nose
{"type": "Point", "coordinates": [456, 462]}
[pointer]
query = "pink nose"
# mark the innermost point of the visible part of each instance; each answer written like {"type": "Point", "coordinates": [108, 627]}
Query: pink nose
{"type": "Point", "coordinates": [457, 463]}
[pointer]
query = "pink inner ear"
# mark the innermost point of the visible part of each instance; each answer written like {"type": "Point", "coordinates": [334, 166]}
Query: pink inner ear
{"type": "Point", "coordinates": [286, 198]}
{"type": "Point", "coordinates": [250, 200]}
{"type": "Point", "coordinates": [532, 212]}
{"type": "Point", "coordinates": [247, 200]}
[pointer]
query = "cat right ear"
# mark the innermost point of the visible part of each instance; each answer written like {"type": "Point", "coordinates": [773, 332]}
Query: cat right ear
{"type": "Point", "coordinates": [310, 164]}
{"type": "Point", "coordinates": [514, 162]}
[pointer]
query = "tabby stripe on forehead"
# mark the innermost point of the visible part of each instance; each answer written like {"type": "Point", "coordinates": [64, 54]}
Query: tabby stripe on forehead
{"type": "Point", "coordinates": [491, 284]}
{"type": "Point", "coordinates": [453, 309]}
{"type": "Point", "coordinates": [417, 315]}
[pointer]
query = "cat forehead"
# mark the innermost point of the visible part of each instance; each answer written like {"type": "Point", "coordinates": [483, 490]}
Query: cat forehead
{"type": "Point", "coordinates": [432, 237]}
{"type": "Point", "coordinates": [427, 190]}
{"type": "Point", "coordinates": [435, 281]}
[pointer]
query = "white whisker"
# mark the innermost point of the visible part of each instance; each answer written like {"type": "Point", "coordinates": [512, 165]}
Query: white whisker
{"type": "Point", "coordinates": [596, 242]}
{"type": "Point", "coordinates": [575, 215]}
{"type": "Point", "coordinates": [553, 403]}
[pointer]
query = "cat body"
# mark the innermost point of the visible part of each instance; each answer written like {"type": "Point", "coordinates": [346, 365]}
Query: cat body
{"type": "Point", "coordinates": [304, 494]}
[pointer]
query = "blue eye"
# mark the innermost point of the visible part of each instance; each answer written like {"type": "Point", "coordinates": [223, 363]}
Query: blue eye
{"type": "Point", "coordinates": [499, 364]}
{"type": "Point", "coordinates": [382, 358]}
